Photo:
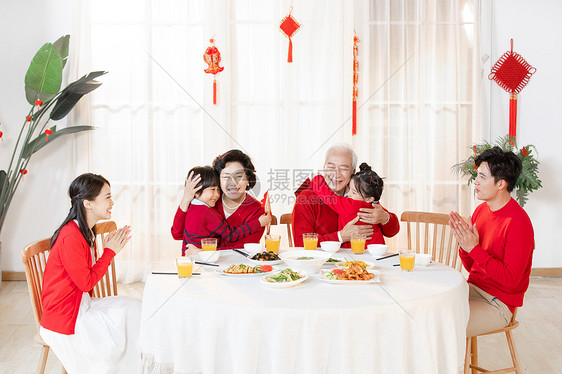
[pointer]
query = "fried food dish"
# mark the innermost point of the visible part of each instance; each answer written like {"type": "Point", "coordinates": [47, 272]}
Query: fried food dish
{"type": "Point", "coordinates": [355, 272]}
{"type": "Point", "coordinates": [349, 263]}
{"type": "Point", "coordinates": [245, 269]}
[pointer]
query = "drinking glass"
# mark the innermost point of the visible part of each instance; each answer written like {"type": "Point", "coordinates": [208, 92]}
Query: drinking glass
{"type": "Point", "coordinates": [407, 260]}
{"type": "Point", "coordinates": [310, 241]}
{"type": "Point", "coordinates": [358, 244]}
{"type": "Point", "coordinates": [185, 266]}
{"type": "Point", "coordinates": [272, 243]}
{"type": "Point", "coordinates": [209, 244]}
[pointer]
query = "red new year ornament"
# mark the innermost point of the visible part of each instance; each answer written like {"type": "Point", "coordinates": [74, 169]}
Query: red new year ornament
{"type": "Point", "coordinates": [38, 102]}
{"type": "Point", "coordinates": [511, 72]}
{"type": "Point", "coordinates": [47, 133]}
{"type": "Point", "coordinates": [23, 172]}
{"type": "Point", "coordinates": [1, 135]}
{"type": "Point", "coordinates": [355, 89]}
{"type": "Point", "coordinates": [212, 57]}
{"type": "Point", "coordinates": [289, 26]}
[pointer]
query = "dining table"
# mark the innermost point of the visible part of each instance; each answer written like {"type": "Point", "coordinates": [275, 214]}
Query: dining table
{"type": "Point", "coordinates": [406, 322]}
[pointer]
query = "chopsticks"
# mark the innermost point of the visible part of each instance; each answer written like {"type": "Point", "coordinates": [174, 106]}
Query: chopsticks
{"type": "Point", "coordinates": [160, 273]}
{"type": "Point", "coordinates": [389, 256]}
{"type": "Point", "coordinates": [242, 253]}
{"type": "Point", "coordinates": [205, 263]}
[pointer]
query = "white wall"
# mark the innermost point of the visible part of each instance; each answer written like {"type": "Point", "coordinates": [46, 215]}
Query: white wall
{"type": "Point", "coordinates": [41, 201]}
{"type": "Point", "coordinates": [535, 28]}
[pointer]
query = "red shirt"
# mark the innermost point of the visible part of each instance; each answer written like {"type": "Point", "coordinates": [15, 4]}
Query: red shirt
{"type": "Point", "coordinates": [310, 214]}
{"type": "Point", "coordinates": [501, 263]}
{"type": "Point", "coordinates": [201, 221]}
{"type": "Point", "coordinates": [347, 210]}
{"type": "Point", "coordinates": [248, 211]}
{"type": "Point", "coordinates": [68, 274]}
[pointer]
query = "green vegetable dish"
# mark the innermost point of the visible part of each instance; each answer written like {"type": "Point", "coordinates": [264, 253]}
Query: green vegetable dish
{"type": "Point", "coordinates": [333, 260]}
{"type": "Point", "coordinates": [286, 275]}
{"type": "Point", "coordinates": [305, 258]}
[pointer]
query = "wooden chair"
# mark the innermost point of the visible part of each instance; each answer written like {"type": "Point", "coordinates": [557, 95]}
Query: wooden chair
{"type": "Point", "coordinates": [34, 257]}
{"type": "Point", "coordinates": [471, 357]}
{"type": "Point", "coordinates": [107, 286]}
{"type": "Point", "coordinates": [285, 219]}
{"type": "Point", "coordinates": [438, 240]}
{"type": "Point", "coordinates": [273, 220]}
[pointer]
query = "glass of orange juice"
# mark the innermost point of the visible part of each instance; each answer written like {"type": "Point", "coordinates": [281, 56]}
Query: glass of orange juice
{"type": "Point", "coordinates": [272, 243]}
{"type": "Point", "coordinates": [185, 266]}
{"type": "Point", "coordinates": [407, 260]}
{"type": "Point", "coordinates": [358, 244]}
{"type": "Point", "coordinates": [209, 244]}
{"type": "Point", "coordinates": [310, 241]}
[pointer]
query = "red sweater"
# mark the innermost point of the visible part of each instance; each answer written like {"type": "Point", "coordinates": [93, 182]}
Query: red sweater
{"type": "Point", "coordinates": [501, 263]}
{"type": "Point", "coordinates": [347, 210]}
{"type": "Point", "coordinates": [248, 211]}
{"type": "Point", "coordinates": [201, 221]}
{"type": "Point", "coordinates": [68, 274]}
{"type": "Point", "coordinates": [310, 214]}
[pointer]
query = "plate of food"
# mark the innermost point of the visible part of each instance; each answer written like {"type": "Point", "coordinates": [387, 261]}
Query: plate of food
{"type": "Point", "coordinates": [265, 258]}
{"type": "Point", "coordinates": [363, 264]}
{"type": "Point", "coordinates": [246, 270]}
{"type": "Point", "coordinates": [284, 279]}
{"type": "Point", "coordinates": [355, 274]}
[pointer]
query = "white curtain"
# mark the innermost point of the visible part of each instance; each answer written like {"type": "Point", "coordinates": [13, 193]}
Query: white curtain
{"type": "Point", "coordinates": [156, 119]}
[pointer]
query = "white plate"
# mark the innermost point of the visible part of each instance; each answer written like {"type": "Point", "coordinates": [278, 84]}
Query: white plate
{"type": "Point", "coordinates": [283, 284]}
{"type": "Point", "coordinates": [221, 271]}
{"type": "Point", "coordinates": [258, 262]}
{"type": "Point", "coordinates": [376, 279]}
{"type": "Point", "coordinates": [370, 265]}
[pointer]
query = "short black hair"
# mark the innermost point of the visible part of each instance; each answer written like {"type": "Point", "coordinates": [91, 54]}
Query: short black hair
{"type": "Point", "coordinates": [209, 178]}
{"type": "Point", "coordinates": [503, 165]}
{"type": "Point", "coordinates": [367, 182]}
{"type": "Point", "coordinates": [235, 155]}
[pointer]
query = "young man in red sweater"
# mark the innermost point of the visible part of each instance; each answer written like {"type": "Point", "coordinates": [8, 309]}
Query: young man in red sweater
{"type": "Point", "coordinates": [496, 248]}
{"type": "Point", "coordinates": [310, 214]}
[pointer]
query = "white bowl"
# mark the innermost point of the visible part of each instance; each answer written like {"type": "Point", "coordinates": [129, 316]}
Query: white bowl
{"type": "Point", "coordinates": [209, 256]}
{"type": "Point", "coordinates": [330, 246]}
{"type": "Point", "coordinates": [253, 248]}
{"type": "Point", "coordinates": [422, 259]}
{"type": "Point", "coordinates": [305, 266]}
{"type": "Point", "coordinates": [377, 249]}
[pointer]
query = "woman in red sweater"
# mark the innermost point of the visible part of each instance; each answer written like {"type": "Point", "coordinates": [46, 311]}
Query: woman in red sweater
{"type": "Point", "coordinates": [88, 335]}
{"type": "Point", "coordinates": [365, 188]}
{"type": "Point", "coordinates": [201, 221]}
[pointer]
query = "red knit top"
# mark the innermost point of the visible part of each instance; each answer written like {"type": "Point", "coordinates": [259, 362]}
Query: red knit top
{"type": "Point", "coordinates": [251, 209]}
{"type": "Point", "coordinates": [501, 263]}
{"type": "Point", "coordinates": [311, 214]}
{"type": "Point", "coordinates": [68, 274]}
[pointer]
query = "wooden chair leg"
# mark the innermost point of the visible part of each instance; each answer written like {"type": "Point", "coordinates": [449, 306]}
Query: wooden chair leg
{"type": "Point", "coordinates": [467, 357]}
{"type": "Point", "coordinates": [474, 353]}
{"type": "Point", "coordinates": [43, 359]}
{"type": "Point", "coordinates": [513, 352]}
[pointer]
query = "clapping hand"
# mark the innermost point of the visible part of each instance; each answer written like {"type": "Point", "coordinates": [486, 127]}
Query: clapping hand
{"type": "Point", "coordinates": [118, 239]}
{"type": "Point", "coordinates": [465, 233]}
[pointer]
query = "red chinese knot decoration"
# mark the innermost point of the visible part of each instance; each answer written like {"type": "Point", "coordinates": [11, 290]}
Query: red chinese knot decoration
{"type": "Point", "coordinates": [47, 133]}
{"type": "Point", "coordinates": [289, 26]}
{"type": "Point", "coordinates": [212, 57]}
{"type": "Point", "coordinates": [512, 73]}
{"type": "Point", "coordinates": [355, 89]}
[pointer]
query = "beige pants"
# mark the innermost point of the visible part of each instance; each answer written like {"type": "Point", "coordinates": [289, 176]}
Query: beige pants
{"type": "Point", "coordinates": [487, 313]}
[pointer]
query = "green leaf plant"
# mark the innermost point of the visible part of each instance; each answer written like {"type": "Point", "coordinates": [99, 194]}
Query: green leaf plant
{"type": "Point", "coordinates": [527, 182]}
{"type": "Point", "coordinates": [48, 102]}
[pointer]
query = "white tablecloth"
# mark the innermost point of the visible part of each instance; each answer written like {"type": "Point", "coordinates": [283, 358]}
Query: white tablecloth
{"type": "Point", "coordinates": [408, 323]}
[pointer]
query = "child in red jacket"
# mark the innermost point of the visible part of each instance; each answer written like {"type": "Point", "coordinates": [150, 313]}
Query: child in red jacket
{"type": "Point", "coordinates": [365, 188]}
{"type": "Point", "coordinates": [202, 221]}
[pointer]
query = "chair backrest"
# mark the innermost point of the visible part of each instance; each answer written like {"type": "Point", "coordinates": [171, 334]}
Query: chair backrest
{"type": "Point", "coordinates": [432, 235]}
{"type": "Point", "coordinates": [107, 286]}
{"type": "Point", "coordinates": [285, 219]}
{"type": "Point", "coordinates": [34, 257]}
{"type": "Point", "coordinates": [273, 220]}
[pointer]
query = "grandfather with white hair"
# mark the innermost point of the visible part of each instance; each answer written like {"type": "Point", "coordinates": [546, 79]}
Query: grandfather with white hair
{"type": "Point", "coordinates": [312, 215]}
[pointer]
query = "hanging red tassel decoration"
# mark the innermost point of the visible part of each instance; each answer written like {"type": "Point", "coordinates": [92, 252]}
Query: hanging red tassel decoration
{"type": "Point", "coordinates": [47, 133]}
{"type": "Point", "coordinates": [512, 73]}
{"type": "Point", "coordinates": [289, 26]}
{"type": "Point", "coordinates": [266, 205]}
{"type": "Point", "coordinates": [355, 89]}
{"type": "Point", "coordinates": [212, 57]}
